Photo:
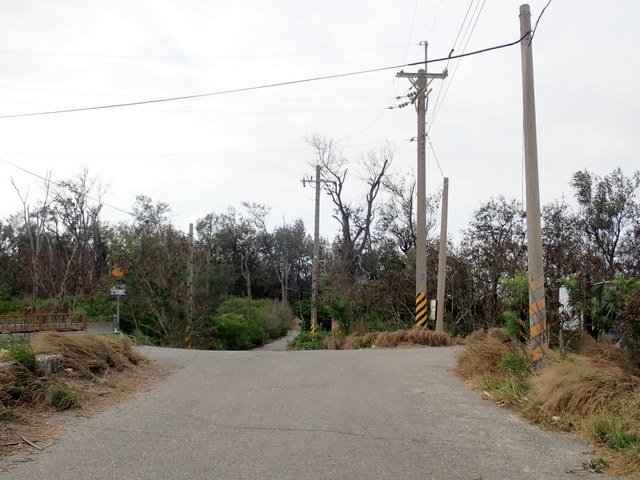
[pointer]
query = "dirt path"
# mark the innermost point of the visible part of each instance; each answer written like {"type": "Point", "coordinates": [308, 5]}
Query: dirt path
{"type": "Point", "coordinates": [281, 344]}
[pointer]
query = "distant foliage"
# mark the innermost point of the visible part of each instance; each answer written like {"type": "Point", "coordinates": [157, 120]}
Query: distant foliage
{"type": "Point", "coordinates": [241, 324]}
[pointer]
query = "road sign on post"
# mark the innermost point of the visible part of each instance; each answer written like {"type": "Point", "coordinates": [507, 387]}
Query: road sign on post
{"type": "Point", "coordinates": [117, 290]}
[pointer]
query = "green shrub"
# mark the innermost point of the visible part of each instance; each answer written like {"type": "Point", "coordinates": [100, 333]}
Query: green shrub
{"type": "Point", "coordinates": [237, 333]}
{"type": "Point", "coordinates": [19, 350]}
{"type": "Point", "coordinates": [273, 319]}
{"type": "Point", "coordinates": [62, 398]}
{"type": "Point", "coordinates": [512, 363]}
{"type": "Point", "coordinates": [621, 440]}
{"type": "Point", "coordinates": [306, 341]}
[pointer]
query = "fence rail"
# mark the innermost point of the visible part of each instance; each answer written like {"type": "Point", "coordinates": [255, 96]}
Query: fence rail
{"type": "Point", "coordinates": [42, 322]}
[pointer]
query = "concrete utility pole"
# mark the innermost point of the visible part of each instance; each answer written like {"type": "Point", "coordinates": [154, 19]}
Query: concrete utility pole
{"type": "Point", "coordinates": [316, 251]}
{"type": "Point", "coordinates": [190, 290]}
{"type": "Point", "coordinates": [420, 82]}
{"type": "Point", "coordinates": [442, 257]}
{"type": "Point", "coordinates": [316, 254]}
{"type": "Point", "coordinates": [537, 306]}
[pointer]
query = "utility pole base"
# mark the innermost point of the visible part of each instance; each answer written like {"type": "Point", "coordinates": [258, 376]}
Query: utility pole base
{"type": "Point", "coordinates": [421, 309]}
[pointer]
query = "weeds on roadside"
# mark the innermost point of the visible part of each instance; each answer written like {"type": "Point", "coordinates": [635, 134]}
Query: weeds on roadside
{"type": "Point", "coordinates": [594, 393]}
{"type": "Point", "coordinates": [62, 398]}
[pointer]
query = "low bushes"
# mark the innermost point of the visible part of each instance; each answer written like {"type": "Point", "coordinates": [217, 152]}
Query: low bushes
{"type": "Point", "coordinates": [306, 341]}
{"type": "Point", "coordinates": [240, 324]}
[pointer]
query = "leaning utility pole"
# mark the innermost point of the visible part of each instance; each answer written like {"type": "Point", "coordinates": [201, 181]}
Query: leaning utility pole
{"type": "Point", "coordinates": [420, 82]}
{"type": "Point", "coordinates": [442, 257]}
{"type": "Point", "coordinates": [539, 340]}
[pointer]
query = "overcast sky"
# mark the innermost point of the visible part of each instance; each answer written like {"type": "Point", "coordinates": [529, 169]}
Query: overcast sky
{"type": "Point", "coordinates": [206, 154]}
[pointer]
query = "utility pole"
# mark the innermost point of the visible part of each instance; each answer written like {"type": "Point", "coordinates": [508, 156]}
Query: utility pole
{"type": "Point", "coordinates": [539, 340]}
{"type": "Point", "coordinates": [420, 82]}
{"type": "Point", "coordinates": [316, 254]}
{"type": "Point", "coordinates": [316, 249]}
{"type": "Point", "coordinates": [190, 290]}
{"type": "Point", "coordinates": [442, 257]}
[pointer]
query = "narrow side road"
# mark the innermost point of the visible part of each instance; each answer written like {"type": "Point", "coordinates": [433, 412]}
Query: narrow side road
{"type": "Point", "coordinates": [363, 414]}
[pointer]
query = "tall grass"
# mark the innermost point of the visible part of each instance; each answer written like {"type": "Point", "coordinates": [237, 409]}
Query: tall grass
{"type": "Point", "coordinates": [595, 392]}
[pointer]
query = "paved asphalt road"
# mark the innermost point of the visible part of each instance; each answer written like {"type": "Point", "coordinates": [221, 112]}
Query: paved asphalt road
{"type": "Point", "coordinates": [363, 414]}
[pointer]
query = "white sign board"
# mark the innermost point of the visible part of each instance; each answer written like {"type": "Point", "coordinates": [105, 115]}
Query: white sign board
{"type": "Point", "coordinates": [118, 290]}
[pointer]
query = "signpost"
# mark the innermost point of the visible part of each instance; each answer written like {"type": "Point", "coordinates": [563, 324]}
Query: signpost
{"type": "Point", "coordinates": [117, 290]}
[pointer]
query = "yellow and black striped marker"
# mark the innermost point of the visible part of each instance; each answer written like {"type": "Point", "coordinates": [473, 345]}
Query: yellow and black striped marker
{"type": "Point", "coordinates": [539, 337]}
{"type": "Point", "coordinates": [314, 329]}
{"type": "Point", "coordinates": [187, 336]}
{"type": "Point", "coordinates": [421, 309]}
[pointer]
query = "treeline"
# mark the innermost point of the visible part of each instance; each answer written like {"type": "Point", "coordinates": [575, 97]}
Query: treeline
{"type": "Point", "coordinates": [58, 248]}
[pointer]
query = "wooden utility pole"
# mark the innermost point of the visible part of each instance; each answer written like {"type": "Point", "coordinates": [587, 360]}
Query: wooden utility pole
{"type": "Point", "coordinates": [420, 82]}
{"type": "Point", "coordinates": [539, 340]}
{"type": "Point", "coordinates": [442, 258]}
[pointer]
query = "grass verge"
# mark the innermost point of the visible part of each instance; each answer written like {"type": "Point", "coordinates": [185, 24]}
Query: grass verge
{"type": "Point", "coordinates": [401, 338]}
{"type": "Point", "coordinates": [594, 393]}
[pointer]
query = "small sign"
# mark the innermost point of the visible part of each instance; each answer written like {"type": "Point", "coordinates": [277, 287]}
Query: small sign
{"type": "Point", "coordinates": [117, 272]}
{"type": "Point", "coordinates": [119, 290]}
{"type": "Point", "coordinates": [432, 312]}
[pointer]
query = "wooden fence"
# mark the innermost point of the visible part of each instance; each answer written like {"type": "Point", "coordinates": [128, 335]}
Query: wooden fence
{"type": "Point", "coordinates": [42, 322]}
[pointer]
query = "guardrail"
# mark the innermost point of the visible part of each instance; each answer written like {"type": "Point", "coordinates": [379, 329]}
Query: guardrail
{"type": "Point", "coordinates": [42, 322]}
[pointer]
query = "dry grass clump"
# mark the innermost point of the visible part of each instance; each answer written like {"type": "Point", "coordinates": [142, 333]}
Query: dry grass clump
{"type": "Point", "coordinates": [356, 341]}
{"type": "Point", "coordinates": [628, 463]}
{"type": "Point", "coordinates": [398, 338]}
{"type": "Point", "coordinates": [415, 336]}
{"type": "Point", "coordinates": [18, 385]}
{"type": "Point", "coordinates": [483, 353]}
{"type": "Point", "coordinates": [582, 386]}
{"type": "Point", "coordinates": [88, 353]}
{"type": "Point", "coordinates": [604, 349]}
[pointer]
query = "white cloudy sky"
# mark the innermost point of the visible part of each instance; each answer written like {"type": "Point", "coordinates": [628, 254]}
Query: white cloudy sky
{"type": "Point", "coordinates": [206, 154]}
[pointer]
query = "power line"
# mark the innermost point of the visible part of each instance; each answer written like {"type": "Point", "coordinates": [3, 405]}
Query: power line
{"type": "Point", "coordinates": [200, 57]}
{"type": "Point", "coordinates": [535, 27]}
{"type": "Point", "coordinates": [468, 38]}
{"type": "Point", "coordinates": [434, 155]}
{"type": "Point", "coordinates": [185, 154]}
{"type": "Point", "coordinates": [413, 19]}
{"type": "Point", "coordinates": [435, 19]}
{"type": "Point", "coordinates": [455, 42]}
{"type": "Point", "coordinates": [269, 85]}
{"type": "Point", "coordinates": [59, 185]}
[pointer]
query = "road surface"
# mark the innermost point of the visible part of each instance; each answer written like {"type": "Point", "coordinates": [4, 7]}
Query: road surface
{"type": "Point", "coordinates": [359, 414]}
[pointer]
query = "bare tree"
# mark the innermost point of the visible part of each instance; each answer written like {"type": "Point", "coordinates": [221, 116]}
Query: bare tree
{"type": "Point", "coordinates": [34, 223]}
{"type": "Point", "coordinates": [355, 219]}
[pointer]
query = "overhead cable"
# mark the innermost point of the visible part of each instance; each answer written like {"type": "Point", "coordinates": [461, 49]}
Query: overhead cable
{"type": "Point", "coordinates": [59, 185]}
{"type": "Point", "coordinates": [260, 87]}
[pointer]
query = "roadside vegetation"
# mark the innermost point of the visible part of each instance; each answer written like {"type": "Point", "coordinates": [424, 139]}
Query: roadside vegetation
{"type": "Point", "coordinates": [88, 369]}
{"type": "Point", "coordinates": [399, 338]}
{"type": "Point", "coordinates": [25, 384]}
{"type": "Point", "coordinates": [57, 254]}
{"type": "Point", "coordinates": [592, 390]}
